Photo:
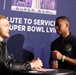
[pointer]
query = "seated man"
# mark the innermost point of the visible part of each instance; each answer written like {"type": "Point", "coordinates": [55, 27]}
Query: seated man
{"type": "Point", "coordinates": [6, 63]}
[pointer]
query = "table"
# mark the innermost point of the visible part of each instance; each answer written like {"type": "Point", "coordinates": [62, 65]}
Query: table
{"type": "Point", "coordinates": [52, 72]}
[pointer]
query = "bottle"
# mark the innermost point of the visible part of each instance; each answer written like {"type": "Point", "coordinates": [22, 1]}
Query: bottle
{"type": "Point", "coordinates": [55, 62]}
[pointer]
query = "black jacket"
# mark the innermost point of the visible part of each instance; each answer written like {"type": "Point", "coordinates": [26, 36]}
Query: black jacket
{"type": "Point", "coordinates": [9, 64]}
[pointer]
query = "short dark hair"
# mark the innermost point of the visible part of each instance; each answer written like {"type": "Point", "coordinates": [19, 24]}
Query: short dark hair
{"type": "Point", "coordinates": [63, 18]}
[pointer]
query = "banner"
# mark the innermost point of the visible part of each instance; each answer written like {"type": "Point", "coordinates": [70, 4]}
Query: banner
{"type": "Point", "coordinates": [32, 24]}
{"type": "Point", "coordinates": [35, 6]}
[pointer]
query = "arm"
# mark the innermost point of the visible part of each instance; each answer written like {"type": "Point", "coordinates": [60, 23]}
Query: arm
{"type": "Point", "coordinates": [57, 55]}
{"type": "Point", "coordinates": [12, 64]}
{"type": "Point", "coordinates": [70, 60]}
{"type": "Point", "coordinates": [15, 65]}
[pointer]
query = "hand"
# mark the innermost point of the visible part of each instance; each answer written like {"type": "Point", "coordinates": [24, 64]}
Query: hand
{"type": "Point", "coordinates": [36, 64]}
{"type": "Point", "coordinates": [56, 55]}
{"type": "Point", "coordinates": [54, 64]}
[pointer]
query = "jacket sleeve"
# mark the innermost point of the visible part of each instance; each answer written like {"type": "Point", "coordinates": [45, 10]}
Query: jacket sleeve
{"type": "Point", "coordinates": [12, 64]}
{"type": "Point", "coordinates": [9, 63]}
{"type": "Point", "coordinates": [15, 65]}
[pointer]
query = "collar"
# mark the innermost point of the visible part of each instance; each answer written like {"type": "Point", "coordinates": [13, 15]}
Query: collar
{"type": "Point", "coordinates": [2, 43]}
{"type": "Point", "coordinates": [66, 37]}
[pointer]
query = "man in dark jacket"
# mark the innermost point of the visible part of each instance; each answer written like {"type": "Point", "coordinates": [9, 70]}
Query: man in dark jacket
{"type": "Point", "coordinates": [6, 62]}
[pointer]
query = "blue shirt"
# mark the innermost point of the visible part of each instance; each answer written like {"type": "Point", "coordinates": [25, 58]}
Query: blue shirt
{"type": "Point", "coordinates": [67, 48]}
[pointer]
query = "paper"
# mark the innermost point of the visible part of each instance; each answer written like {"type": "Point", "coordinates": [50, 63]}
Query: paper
{"type": "Point", "coordinates": [43, 69]}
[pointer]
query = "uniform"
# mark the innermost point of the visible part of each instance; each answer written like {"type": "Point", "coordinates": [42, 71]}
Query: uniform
{"type": "Point", "coordinates": [67, 48]}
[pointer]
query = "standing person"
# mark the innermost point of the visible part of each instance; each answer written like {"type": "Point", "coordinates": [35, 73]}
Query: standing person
{"type": "Point", "coordinates": [63, 48]}
{"type": "Point", "coordinates": [6, 62]}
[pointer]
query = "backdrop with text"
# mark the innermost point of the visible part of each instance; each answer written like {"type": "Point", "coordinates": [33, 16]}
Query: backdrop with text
{"type": "Point", "coordinates": [32, 24]}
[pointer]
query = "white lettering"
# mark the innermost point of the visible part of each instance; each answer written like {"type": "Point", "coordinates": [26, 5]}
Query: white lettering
{"type": "Point", "coordinates": [27, 21]}
{"type": "Point", "coordinates": [50, 30]}
{"type": "Point", "coordinates": [44, 22]}
{"type": "Point", "coordinates": [15, 20]}
{"type": "Point", "coordinates": [35, 29]}
{"type": "Point", "coordinates": [18, 27]}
